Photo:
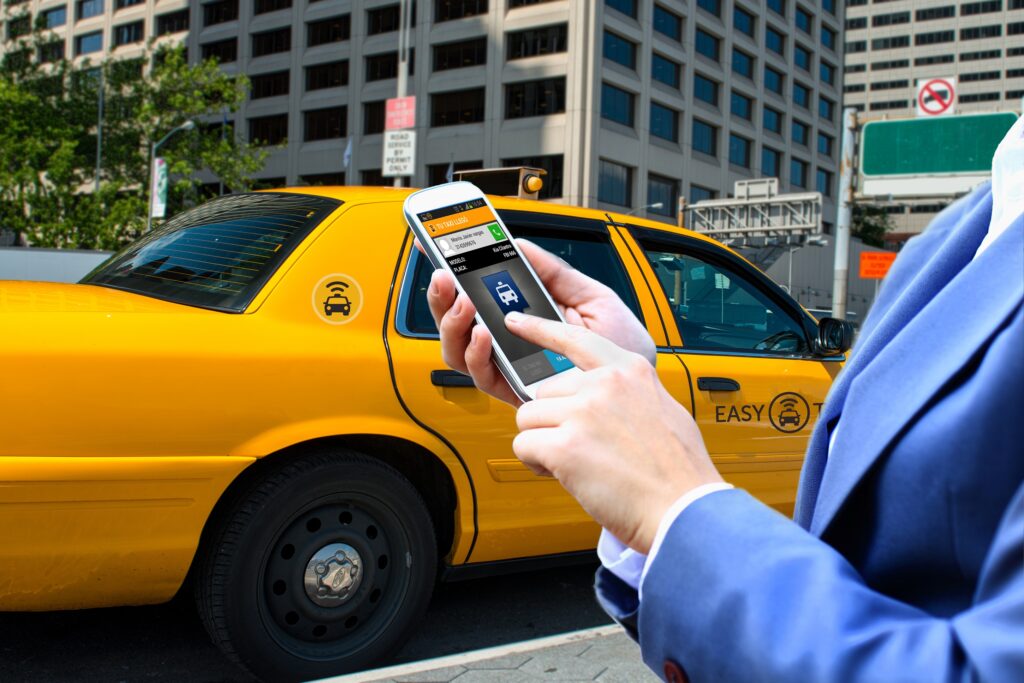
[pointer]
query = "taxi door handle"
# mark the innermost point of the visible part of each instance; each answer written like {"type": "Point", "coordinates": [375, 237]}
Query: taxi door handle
{"type": "Point", "coordinates": [450, 378]}
{"type": "Point", "coordinates": [717, 384]}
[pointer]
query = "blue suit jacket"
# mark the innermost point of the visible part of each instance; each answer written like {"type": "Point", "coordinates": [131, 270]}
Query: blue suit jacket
{"type": "Point", "coordinates": [906, 561]}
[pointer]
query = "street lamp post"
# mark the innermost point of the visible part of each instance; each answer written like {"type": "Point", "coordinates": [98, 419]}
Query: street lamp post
{"type": "Point", "coordinates": [188, 125]}
{"type": "Point", "coordinates": [655, 205]}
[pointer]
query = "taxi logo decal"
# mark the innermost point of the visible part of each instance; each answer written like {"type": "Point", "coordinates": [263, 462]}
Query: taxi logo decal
{"type": "Point", "coordinates": [337, 299]}
{"type": "Point", "coordinates": [789, 412]}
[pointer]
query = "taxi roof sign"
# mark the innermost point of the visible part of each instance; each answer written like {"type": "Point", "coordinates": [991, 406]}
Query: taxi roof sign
{"type": "Point", "coordinates": [524, 182]}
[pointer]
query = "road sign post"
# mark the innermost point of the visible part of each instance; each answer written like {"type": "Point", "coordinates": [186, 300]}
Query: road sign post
{"type": "Point", "coordinates": [399, 153]}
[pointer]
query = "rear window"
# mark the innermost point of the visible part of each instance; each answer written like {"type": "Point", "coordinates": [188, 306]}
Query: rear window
{"type": "Point", "coordinates": [218, 255]}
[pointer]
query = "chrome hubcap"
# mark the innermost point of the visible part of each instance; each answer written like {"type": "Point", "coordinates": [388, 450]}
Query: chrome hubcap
{"type": "Point", "coordinates": [333, 575]}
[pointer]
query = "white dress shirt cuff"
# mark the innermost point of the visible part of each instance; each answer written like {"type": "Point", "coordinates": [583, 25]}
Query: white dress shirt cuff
{"type": "Point", "coordinates": [629, 565]}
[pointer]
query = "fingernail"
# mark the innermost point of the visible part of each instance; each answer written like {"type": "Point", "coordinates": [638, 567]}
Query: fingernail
{"type": "Point", "coordinates": [433, 282]}
{"type": "Point", "coordinates": [457, 308]}
{"type": "Point", "coordinates": [514, 317]}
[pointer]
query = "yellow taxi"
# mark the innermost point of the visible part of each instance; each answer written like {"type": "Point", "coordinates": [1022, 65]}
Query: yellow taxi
{"type": "Point", "coordinates": [250, 401]}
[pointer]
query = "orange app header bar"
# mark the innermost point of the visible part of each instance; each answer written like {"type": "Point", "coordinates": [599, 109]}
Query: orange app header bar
{"type": "Point", "coordinates": [459, 221]}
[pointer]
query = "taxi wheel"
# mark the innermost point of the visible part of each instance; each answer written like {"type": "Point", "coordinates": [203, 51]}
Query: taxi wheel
{"type": "Point", "coordinates": [324, 567]}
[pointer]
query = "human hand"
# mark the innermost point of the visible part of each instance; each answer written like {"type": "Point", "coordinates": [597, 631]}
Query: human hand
{"type": "Point", "coordinates": [583, 301]}
{"type": "Point", "coordinates": [611, 435]}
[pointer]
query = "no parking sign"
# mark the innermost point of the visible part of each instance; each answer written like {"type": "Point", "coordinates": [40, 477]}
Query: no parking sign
{"type": "Point", "coordinates": [936, 96]}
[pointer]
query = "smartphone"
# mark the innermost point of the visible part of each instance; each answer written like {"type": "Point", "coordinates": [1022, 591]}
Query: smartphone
{"type": "Point", "coordinates": [462, 233]}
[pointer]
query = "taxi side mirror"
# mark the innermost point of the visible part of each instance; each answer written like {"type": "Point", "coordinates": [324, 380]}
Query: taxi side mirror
{"type": "Point", "coordinates": [834, 336]}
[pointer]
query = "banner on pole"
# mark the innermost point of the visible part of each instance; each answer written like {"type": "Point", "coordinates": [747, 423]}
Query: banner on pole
{"type": "Point", "coordinates": [158, 191]}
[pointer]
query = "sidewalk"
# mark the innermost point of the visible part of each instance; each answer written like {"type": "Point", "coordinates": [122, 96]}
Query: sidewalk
{"type": "Point", "coordinates": [605, 654]}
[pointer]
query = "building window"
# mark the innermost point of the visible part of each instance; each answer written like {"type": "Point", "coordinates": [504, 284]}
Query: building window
{"type": "Point", "coordinates": [325, 124]}
{"type": "Point", "coordinates": [801, 95]}
{"type": "Point", "coordinates": [854, 87]}
{"type": "Point", "coordinates": [619, 50]}
{"type": "Point", "coordinates": [536, 41]}
{"type": "Point", "coordinates": [856, 46]}
{"type": "Point", "coordinates": [742, 63]}
{"type": "Point", "coordinates": [741, 106]}
{"type": "Point", "coordinates": [890, 64]}
{"type": "Point", "coordinates": [1015, 29]}
{"type": "Point", "coordinates": [220, 12]}
{"type": "Point", "coordinates": [854, 69]}
{"type": "Point", "coordinates": [823, 182]}
{"type": "Point", "coordinates": [705, 89]}
{"type": "Point", "coordinates": [437, 173]}
{"type": "Point", "coordinates": [826, 108]}
{"type": "Point", "coordinates": [268, 130]}
{"type": "Point", "coordinates": [828, 37]}
{"type": "Point", "coordinates": [381, 67]}
{"type": "Point", "coordinates": [88, 43]}
{"type": "Point", "coordinates": [889, 104]}
{"type": "Point", "coordinates": [708, 45]}
{"type": "Point", "coordinates": [664, 191]}
{"type": "Point", "coordinates": [55, 17]}
{"type": "Point", "coordinates": [797, 173]}
{"type": "Point", "coordinates": [739, 151]}
{"type": "Point", "coordinates": [374, 177]}
{"type": "Point", "coordinates": [266, 6]}
{"type": "Point", "coordinates": [979, 97]}
{"type": "Point", "coordinates": [774, 80]}
{"type": "Point", "coordinates": [617, 104]}
{"type": "Point", "coordinates": [932, 13]}
{"type": "Point", "coordinates": [668, 23]}
{"type": "Point", "coordinates": [512, 4]}
{"type": "Point", "coordinates": [457, 107]}
{"type": "Point", "coordinates": [982, 54]}
{"type": "Point", "coordinates": [775, 41]}
{"type": "Point", "coordinates": [980, 76]}
{"type": "Point", "coordinates": [627, 7]}
{"type": "Point", "coordinates": [86, 9]}
{"type": "Point", "coordinates": [465, 53]}
{"type": "Point", "coordinates": [825, 143]}
{"type": "Point", "coordinates": [332, 30]}
{"type": "Point", "coordinates": [777, 6]}
{"type": "Point", "coordinates": [121, 4]}
{"type": "Point", "coordinates": [52, 51]}
{"type": "Point", "coordinates": [705, 138]}
{"type": "Point", "coordinates": [771, 162]}
{"type": "Point", "coordinates": [891, 19]}
{"type": "Point", "coordinates": [856, 23]}
{"type": "Point", "coordinates": [827, 73]}
{"type": "Point", "coordinates": [934, 59]}
{"type": "Point", "coordinates": [447, 10]}
{"type": "Point", "coordinates": [804, 21]}
{"type": "Point", "coordinates": [224, 51]}
{"type": "Point", "coordinates": [322, 179]}
{"type": "Point", "coordinates": [127, 34]}
{"type": "Point", "coordinates": [699, 193]}
{"type": "Point", "coordinates": [665, 71]}
{"type": "Point", "coordinates": [271, 42]}
{"type": "Point", "coordinates": [328, 75]}
{"type": "Point", "coordinates": [535, 98]}
{"type": "Point", "coordinates": [268, 85]}
{"type": "Point", "coordinates": [934, 37]}
{"type": "Point", "coordinates": [890, 43]}
{"type": "Point", "coordinates": [711, 6]}
{"type": "Point", "coordinates": [799, 132]}
{"type": "Point", "coordinates": [615, 184]}
{"type": "Point", "coordinates": [551, 163]}
{"type": "Point", "coordinates": [743, 21]}
{"type": "Point", "coordinates": [664, 122]}
{"type": "Point", "coordinates": [771, 119]}
{"type": "Point", "coordinates": [19, 26]}
{"type": "Point", "coordinates": [979, 32]}
{"type": "Point", "coordinates": [802, 57]}
{"type": "Point", "coordinates": [829, 6]}
{"type": "Point", "coordinates": [986, 7]}
{"type": "Point", "coordinates": [172, 22]}
{"type": "Point", "coordinates": [373, 117]}
{"type": "Point", "coordinates": [382, 20]}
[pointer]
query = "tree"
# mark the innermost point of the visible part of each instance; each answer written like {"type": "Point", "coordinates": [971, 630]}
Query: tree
{"type": "Point", "coordinates": [48, 143]}
{"type": "Point", "coordinates": [870, 224]}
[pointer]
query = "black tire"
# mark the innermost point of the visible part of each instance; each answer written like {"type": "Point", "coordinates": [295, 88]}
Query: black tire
{"type": "Point", "coordinates": [250, 586]}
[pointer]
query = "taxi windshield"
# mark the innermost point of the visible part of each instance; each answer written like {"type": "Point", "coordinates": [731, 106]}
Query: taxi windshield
{"type": "Point", "coordinates": [217, 255]}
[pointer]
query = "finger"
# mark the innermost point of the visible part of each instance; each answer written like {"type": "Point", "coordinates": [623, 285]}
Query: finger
{"type": "Point", "coordinates": [455, 328]}
{"type": "Point", "coordinates": [548, 412]}
{"type": "Point", "coordinates": [482, 369]}
{"type": "Point", "coordinates": [565, 384]}
{"type": "Point", "coordinates": [533, 448]}
{"type": "Point", "coordinates": [566, 285]}
{"type": "Point", "coordinates": [440, 294]}
{"type": "Point", "coordinates": [584, 348]}
{"type": "Point", "coordinates": [416, 243]}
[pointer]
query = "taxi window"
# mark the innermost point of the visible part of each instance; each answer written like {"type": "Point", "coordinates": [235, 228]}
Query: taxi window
{"type": "Point", "coordinates": [217, 255]}
{"type": "Point", "coordinates": [588, 252]}
{"type": "Point", "coordinates": [717, 308]}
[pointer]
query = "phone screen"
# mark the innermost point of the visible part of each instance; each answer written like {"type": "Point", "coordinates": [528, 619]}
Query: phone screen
{"type": "Point", "coordinates": [496, 279]}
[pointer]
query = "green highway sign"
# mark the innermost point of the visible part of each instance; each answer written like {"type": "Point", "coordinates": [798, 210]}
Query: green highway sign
{"type": "Point", "coordinates": [926, 146]}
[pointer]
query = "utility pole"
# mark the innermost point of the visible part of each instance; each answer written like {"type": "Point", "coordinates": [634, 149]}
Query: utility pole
{"type": "Point", "coordinates": [403, 57]}
{"type": "Point", "coordinates": [99, 130]}
{"type": "Point", "coordinates": [843, 216]}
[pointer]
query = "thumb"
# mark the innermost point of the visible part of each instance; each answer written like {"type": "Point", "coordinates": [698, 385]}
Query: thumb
{"type": "Point", "coordinates": [584, 348]}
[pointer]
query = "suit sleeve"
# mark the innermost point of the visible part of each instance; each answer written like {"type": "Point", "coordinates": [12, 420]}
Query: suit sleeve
{"type": "Point", "coordinates": [739, 593]}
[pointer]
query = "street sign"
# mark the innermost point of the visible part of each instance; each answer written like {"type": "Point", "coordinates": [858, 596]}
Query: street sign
{"type": "Point", "coordinates": [158, 189]}
{"type": "Point", "coordinates": [399, 153]}
{"type": "Point", "coordinates": [400, 112]}
{"type": "Point", "coordinates": [874, 265]}
{"type": "Point", "coordinates": [929, 157]}
{"type": "Point", "coordinates": [936, 96]}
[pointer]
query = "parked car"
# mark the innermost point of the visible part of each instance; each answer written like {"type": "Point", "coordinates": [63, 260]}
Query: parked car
{"type": "Point", "coordinates": [252, 398]}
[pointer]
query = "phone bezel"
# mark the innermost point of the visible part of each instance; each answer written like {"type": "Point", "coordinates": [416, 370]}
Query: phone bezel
{"type": "Point", "coordinates": [454, 193]}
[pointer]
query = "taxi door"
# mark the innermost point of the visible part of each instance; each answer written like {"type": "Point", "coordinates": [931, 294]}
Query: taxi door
{"type": "Point", "coordinates": [757, 386]}
{"type": "Point", "coordinates": [518, 514]}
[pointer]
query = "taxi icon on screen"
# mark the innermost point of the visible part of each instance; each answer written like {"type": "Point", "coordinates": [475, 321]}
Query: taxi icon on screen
{"type": "Point", "coordinates": [506, 294]}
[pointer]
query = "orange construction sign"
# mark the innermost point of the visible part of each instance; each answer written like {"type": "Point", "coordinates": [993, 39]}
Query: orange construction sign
{"type": "Point", "coordinates": [874, 265]}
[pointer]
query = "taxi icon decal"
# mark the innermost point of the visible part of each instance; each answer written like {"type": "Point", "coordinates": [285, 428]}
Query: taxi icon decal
{"type": "Point", "coordinates": [789, 412]}
{"type": "Point", "coordinates": [337, 299]}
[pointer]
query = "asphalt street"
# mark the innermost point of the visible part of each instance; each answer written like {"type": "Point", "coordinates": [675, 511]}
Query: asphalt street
{"type": "Point", "coordinates": [168, 643]}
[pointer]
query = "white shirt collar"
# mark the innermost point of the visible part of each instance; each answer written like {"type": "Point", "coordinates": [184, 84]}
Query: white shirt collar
{"type": "Point", "coordinates": [1007, 185]}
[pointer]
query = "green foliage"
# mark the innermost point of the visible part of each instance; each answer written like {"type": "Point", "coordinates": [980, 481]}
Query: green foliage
{"type": "Point", "coordinates": [870, 224]}
{"type": "Point", "coordinates": [48, 141]}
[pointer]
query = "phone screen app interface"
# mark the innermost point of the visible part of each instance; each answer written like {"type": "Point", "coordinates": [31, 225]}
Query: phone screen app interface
{"type": "Point", "coordinates": [470, 238]}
